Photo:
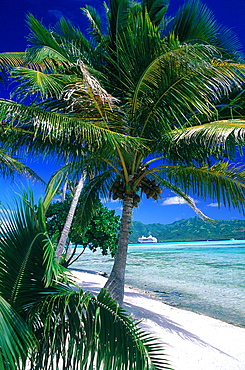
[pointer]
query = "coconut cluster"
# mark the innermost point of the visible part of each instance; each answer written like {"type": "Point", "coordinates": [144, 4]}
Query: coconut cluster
{"type": "Point", "coordinates": [147, 186]}
{"type": "Point", "coordinates": [150, 188]}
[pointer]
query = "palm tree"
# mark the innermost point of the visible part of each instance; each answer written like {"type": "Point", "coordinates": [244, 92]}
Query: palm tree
{"type": "Point", "coordinates": [148, 77]}
{"type": "Point", "coordinates": [48, 321]}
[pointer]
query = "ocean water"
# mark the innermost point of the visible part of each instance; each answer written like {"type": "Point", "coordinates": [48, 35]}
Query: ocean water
{"type": "Point", "coordinates": [205, 277]}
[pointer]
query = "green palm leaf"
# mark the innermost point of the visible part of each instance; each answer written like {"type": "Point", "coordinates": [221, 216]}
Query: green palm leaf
{"type": "Point", "coordinates": [96, 334]}
{"type": "Point", "coordinates": [32, 81]}
{"type": "Point", "coordinates": [66, 32]}
{"type": "Point", "coordinates": [9, 165]}
{"type": "Point", "coordinates": [222, 181]}
{"type": "Point", "coordinates": [11, 60]}
{"type": "Point", "coordinates": [215, 138]}
{"type": "Point", "coordinates": [95, 22]}
{"type": "Point", "coordinates": [55, 126]}
{"type": "Point", "coordinates": [40, 35]}
{"type": "Point", "coordinates": [16, 339]}
{"type": "Point", "coordinates": [195, 23]}
{"type": "Point", "coordinates": [24, 244]}
{"type": "Point", "coordinates": [156, 9]}
{"type": "Point", "coordinates": [179, 79]}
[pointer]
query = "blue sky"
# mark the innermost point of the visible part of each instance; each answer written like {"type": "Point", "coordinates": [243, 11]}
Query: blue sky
{"type": "Point", "coordinates": [13, 32]}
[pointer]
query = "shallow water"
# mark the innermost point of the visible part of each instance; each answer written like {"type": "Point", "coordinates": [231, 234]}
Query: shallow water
{"type": "Point", "coordinates": [205, 277]}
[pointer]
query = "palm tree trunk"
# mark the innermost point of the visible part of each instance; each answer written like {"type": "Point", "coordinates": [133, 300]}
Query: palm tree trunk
{"type": "Point", "coordinates": [69, 219]}
{"type": "Point", "coordinates": [63, 194]}
{"type": "Point", "coordinates": [115, 282]}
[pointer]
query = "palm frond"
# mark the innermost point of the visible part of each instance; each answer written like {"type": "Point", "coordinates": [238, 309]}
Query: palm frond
{"type": "Point", "coordinates": [223, 181]}
{"type": "Point", "coordinates": [12, 59]}
{"type": "Point", "coordinates": [66, 32]}
{"type": "Point", "coordinates": [32, 82]}
{"type": "Point", "coordinates": [8, 61]}
{"type": "Point", "coordinates": [156, 9]}
{"type": "Point", "coordinates": [10, 165]}
{"type": "Point", "coordinates": [94, 22]}
{"type": "Point", "coordinates": [213, 138]}
{"type": "Point", "coordinates": [95, 334]}
{"type": "Point", "coordinates": [24, 142]}
{"type": "Point", "coordinates": [52, 188]}
{"type": "Point", "coordinates": [66, 128]}
{"type": "Point", "coordinates": [16, 339]}
{"type": "Point", "coordinates": [24, 244]}
{"type": "Point", "coordinates": [181, 83]}
{"type": "Point", "coordinates": [40, 36]}
{"type": "Point", "coordinates": [117, 18]}
{"type": "Point", "coordinates": [195, 23]}
{"type": "Point", "coordinates": [137, 40]}
{"type": "Point", "coordinates": [165, 184]}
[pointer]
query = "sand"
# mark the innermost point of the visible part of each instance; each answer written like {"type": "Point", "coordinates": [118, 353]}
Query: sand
{"type": "Point", "coordinates": [192, 341]}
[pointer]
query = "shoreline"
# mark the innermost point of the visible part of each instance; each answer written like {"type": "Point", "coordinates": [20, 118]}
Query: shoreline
{"type": "Point", "coordinates": [154, 295]}
{"type": "Point", "coordinates": [192, 340]}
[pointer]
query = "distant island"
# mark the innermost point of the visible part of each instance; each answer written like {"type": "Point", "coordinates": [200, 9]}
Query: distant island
{"type": "Point", "coordinates": [192, 229]}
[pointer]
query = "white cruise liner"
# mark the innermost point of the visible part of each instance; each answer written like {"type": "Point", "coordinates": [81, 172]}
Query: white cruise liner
{"type": "Point", "coordinates": [148, 239]}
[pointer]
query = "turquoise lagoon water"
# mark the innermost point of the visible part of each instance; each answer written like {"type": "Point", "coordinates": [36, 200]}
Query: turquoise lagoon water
{"type": "Point", "coordinates": [205, 277]}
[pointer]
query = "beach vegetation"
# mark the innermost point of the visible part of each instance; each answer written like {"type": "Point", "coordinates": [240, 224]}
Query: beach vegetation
{"type": "Point", "coordinates": [47, 321]}
{"type": "Point", "coordinates": [101, 232]}
{"type": "Point", "coordinates": [136, 107]}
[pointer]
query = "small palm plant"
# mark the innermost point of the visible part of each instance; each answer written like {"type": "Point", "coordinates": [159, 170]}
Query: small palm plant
{"type": "Point", "coordinates": [48, 322]}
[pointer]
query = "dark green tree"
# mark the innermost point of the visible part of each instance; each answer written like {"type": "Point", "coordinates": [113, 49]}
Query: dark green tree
{"type": "Point", "coordinates": [101, 232]}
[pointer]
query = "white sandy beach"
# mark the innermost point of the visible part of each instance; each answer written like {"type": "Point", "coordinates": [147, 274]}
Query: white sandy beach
{"type": "Point", "coordinates": [192, 341]}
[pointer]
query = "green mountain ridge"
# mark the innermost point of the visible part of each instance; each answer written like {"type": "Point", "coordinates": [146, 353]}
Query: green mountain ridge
{"type": "Point", "coordinates": [192, 229]}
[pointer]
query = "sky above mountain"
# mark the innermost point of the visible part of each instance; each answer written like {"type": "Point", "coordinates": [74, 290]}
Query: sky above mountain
{"type": "Point", "coordinates": [13, 38]}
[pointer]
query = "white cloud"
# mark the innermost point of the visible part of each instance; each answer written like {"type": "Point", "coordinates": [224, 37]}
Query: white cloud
{"type": "Point", "coordinates": [172, 201]}
{"type": "Point", "coordinates": [216, 205]}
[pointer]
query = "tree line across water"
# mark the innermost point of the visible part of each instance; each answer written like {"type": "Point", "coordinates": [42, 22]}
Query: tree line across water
{"type": "Point", "coordinates": [192, 229]}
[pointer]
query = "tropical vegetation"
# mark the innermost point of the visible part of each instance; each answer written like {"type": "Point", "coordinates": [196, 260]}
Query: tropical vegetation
{"type": "Point", "coordinates": [146, 103]}
{"type": "Point", "coordinates": [100, 233]}
{"type": "Point", "coordinates": [46, 321]}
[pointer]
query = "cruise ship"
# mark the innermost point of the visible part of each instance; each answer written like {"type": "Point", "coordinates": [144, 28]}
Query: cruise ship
{"type": "Point", "coordinates": [148, 239]}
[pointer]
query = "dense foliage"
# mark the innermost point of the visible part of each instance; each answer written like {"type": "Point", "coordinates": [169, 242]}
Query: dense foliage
{"type": "Point", "coordinates": [101, 232]}
{"type": "Point", "coordinates": [190, 230]}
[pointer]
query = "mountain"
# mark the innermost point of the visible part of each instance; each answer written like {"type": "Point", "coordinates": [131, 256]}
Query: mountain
{"type": "Point", "coordinates": [189, 230]}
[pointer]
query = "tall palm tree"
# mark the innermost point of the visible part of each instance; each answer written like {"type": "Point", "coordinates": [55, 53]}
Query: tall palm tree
{"type": "Point", "coordinates": [158, 79]}
{"type": "Point", "coordinates": [48, 321]}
